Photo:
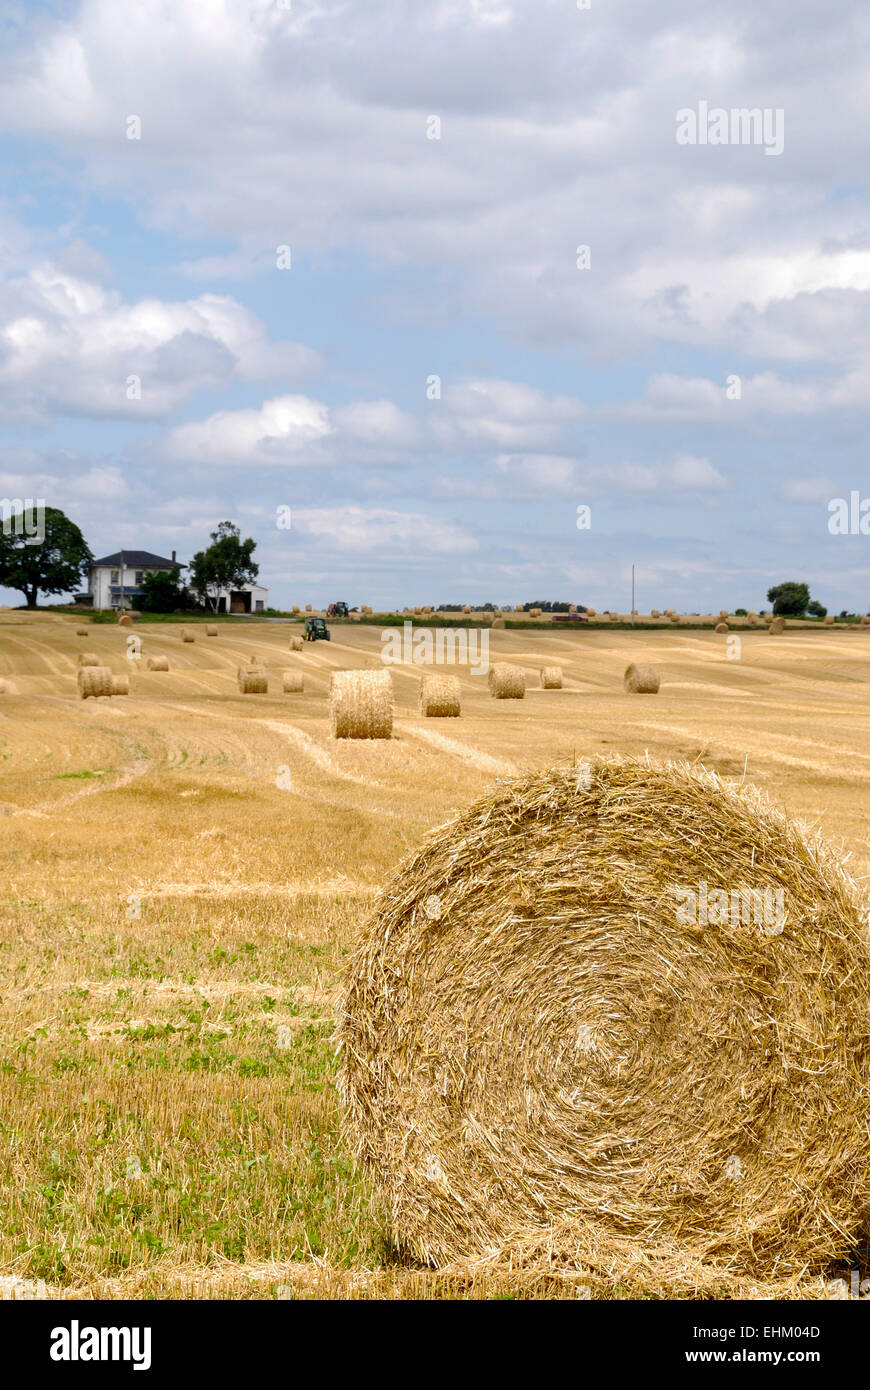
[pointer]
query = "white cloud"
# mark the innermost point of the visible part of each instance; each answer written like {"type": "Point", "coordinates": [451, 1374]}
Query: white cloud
{"type": "Point", "coordinates": [366, 531]}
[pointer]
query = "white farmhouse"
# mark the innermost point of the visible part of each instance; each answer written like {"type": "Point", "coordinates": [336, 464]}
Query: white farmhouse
{"type": "Point", "coordinates": [106, 579]}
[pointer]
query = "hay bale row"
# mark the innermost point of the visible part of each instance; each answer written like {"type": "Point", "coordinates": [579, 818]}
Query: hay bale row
{"type": "Point", "coordinates": [88, 659]}
{"type": "Point", "coordinates": [506, 682]}
{"type": "Point", "coordinates": [551, 677]}
{"type": "Point", "coordinates": [641, 680]}
{"type": "Point", "coordinates": [361, 704]}
{"type": "Point", "coordinates": [94, 681]}
{"type": "Point", "coordinates": [294, 682]}
{"type": "Point", "coordinates": [158, 663]}
{"type": "Point", "coordinates": [485, 1042]}
{"type": "Point", "coordinates": [253, 680]}
{"type": "Point", "coordinates": [440, 697]}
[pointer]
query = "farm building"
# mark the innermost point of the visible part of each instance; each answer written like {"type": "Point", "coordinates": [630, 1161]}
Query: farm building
{"type": "Point", "coordinates": [106, 581]}
{"type": "Point", "coordinates": [250, 598]}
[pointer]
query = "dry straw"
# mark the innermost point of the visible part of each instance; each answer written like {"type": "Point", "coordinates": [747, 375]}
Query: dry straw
{"type": "Point", "coordinates": [590, 613]}
{"type": "Point", "coordinates": [506, 682]}
{"type": "Point", "coordinates": [551, 677]}
{"type": "Point", "coordinates": [125, 620]}
{"type": "Point", "coordinates": [642, 680]}
{"type": "Point", "coordinates": [88, 659]}
{"type": "Point", "coordinates": [211, 630]}
{"type": "Point", "coordinates": [187, 636]}
{"type": "Point", "coordinates": [723, 613]}
{"type": "Point", "coordinates": [752, 614]}
{"type": "Point", "coordinates": [654, 613]}
{"type": "Point", "coordinates": [158, 663]}
{"type": "Point", "coordinates": [674, 617]}
{"type": "Point", "coordinates": [81, 632]}
{"type": "Point", "coordinates": [865, 621]}
{"type": "Point", "coordinates": [534, 612]}
{"type": "Point", "coordinates": [295, 608]}
{"type": "Point", "coordinates": [497, 622]}
{"type": "Point", "coordinates": [466, 608]}
{"type": "Point", "coordinates": [120, 685]}
{"type": "Point", "coordinates": [721, 627]}
{"type": "Point", "coordinates": [545, 1066]}
{"type": "Point", "coordinates": [94, 681]}
{"type": "Point", "coordinates": [439, 697]}
{"type": "Point", "coordinates": [361, 704]}
{"type": "Point", "coordinates": [776, 627]}
{"type": "Point", "coordinates": [294, 682]}
{"type": "Point", "coordinates": [296, 644]}
{"type": "Point", "coordinates": [308, 608]}
{"type": "Point", "coordinates": [829, 620]}
{"type": "Point", "coordinates": [253, 680]}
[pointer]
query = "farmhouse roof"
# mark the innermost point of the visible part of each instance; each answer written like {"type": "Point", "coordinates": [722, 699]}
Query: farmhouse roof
{"type": "Point", "coordinates": [136, 559]}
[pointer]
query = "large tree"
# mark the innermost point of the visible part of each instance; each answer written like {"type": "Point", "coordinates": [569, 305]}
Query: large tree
{"type": "Point", "coordinates": [56, 564]}
{"type": "Point", "coordinates": [227, 563]}
{"type": "Point", "coordinates": [162, 591]}
{"type": "Point", "coordinates": [790, 599]}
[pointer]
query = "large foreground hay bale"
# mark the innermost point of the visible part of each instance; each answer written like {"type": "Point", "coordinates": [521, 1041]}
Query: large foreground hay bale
{"type": "Point", "coordinates": [721, 627]}
{"type": "Point", "coordinates": [253, 680]}
{"type": "Point", "coordinates": [211, 630]}
{"type": "Point", "coordinates": [776, 627]}
{"type": "Point", "coordinates": [506, 682]}
{"type": "Point", "coordinates": [361, 704]}
{"type": "Point", "coordinates": [88, 659]}
{"type": "Point", "coordinates": [548, 1059]}
{"type": "Point", "coordinates": [120, 685]}
{"type": "Point", "coordinates": [440, 697]}
{"type": "Point", "coordinates": [94, 681]}
{"type": "Point", "coordinates": [551, 677]}
{"type": "Point", "coordinates": [296, 644]}
{"type": "Point", "coordinates": [294, 682]}
{"type": "Point", "coordinates": [158, 663]}
{"type": "Point", "coordinates": [641, 680]}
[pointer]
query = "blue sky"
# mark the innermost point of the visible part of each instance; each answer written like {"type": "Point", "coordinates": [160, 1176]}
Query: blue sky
{"type": "Point", "coordinates": [307, 125]}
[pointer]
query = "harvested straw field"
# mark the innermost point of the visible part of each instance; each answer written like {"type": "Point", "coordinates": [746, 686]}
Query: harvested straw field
{"type": "Point", "coordinates": [168, 1011]}
{"type": "Point", "coordinates": [440, 697]}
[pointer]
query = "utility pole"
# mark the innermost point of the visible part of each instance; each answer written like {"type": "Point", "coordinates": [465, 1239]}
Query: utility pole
{"type": "Point", "coordinates": [121, 581]}
{"type": "Point", "coordinates": [632, 595]}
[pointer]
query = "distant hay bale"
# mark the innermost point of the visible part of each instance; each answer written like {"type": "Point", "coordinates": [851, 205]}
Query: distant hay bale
{"type": "Point", "coordinates": [125, 620]}
{"type": "Point", "coordinates": [548, 1059]}
{"type": "Point", "coordinates": [294, 682]}
{"type": "Point", "coordinates": [751, 614]}
{"type": "Point", "coordinates": [187, 636]}
{"type": "Point", "coordinates": [776, 627]}
{"type": "Point", "coordinates": [253, 680]}
{"type": "Point", "coordinates": [440, 697]}
{"type": "Point", "coordinates": [506, 682]}
{"type": "Point", "coordinates": [211, 630]}
{"type": "Point", "coordinates": [94, 681]}
{"type": "Point", "coordinates": [723, 613]}
{"type": "Point", "coordinates": [158, 663]}
{"type": "Point", "coordinates": [865, 620]}
{"type": "Point", "coordinates": [534, 612]}
{"type": "Point", "coordinates": [654, 613]}
{"type": "Point", "coordinates": [296, 644]}
{"type": "Point", "coordinates": [426, 609]}
{"type": "Point", "coordinates": [641, 680]}
{"type": "Point", "coordinates": [466, 608]}
{"type": "Point", "coordinates": [722, 627]}
{"type": "Point", "coordinates": [497, 622]}
{"type": "Point", "coordinates": [88, 659]}
{"type": "Point", "coordinates": [295, 608]}
{"type": "Point", "coordinates": [829, 620]}
{"type": "Point", "coordinates": [674, 617]}
{"type": "Point", "coordinates": [120, 685]}
{"type": "Point", "coordinates": [308, 608]}
{"type": "Point", "coordinates": [590, 613]}
{"type": "Point", "coordinates": [752, 620]}
{"type": "Point", "coordinates": [418, 611]}
{"type": "Point", "coordinates": [82, 631]}
{"type": "Point", "coordinates": [361, 704]}
{"type": "Point", "coordinates": [551, 677]}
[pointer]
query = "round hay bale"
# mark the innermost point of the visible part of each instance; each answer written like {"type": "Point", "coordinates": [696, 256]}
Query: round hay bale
{"type": "Point", "coordinates": [253, 680]}
{"type": "Point", "coordinates": [418, 611]}
{"type": "Point", "coordinates": [295, 608]}
{"type": "Point", "coordinates": [497, 622]}
{"type": "Point", "coordinates": [674, 617]}
{"type": "Point", "coordinates": [120, 685]}
{"type": "Point", "coordinates": [294, 682]}
{"type": "Point", "coordinates": [551, 677]}
{"type": "Point", "coordinates": [466, 608]}
{"type": "Point", "coordinates": [94, 681]}
{"type": "Point", "coordinates": [641, 680]}
{"type": "Point", "coordinates": [296, 644]}
{"type": "Point", "coordinates": [590, 613]}
{"type": "Point", "coordinates": [752, 620]}
{"type": "Point", "coordinates": [211, 630]}
{"type": "Point", "coordinates": [440, 697]}
{"type": "Point", "coordinates": [654, 613]}
{"type": "Point", "coordinates": [865, 621]}
{"type": "Point", "coordinates": [361, 704]}
{"type": "Point", "coordinates": [158, 663]}
{"type": "Point", "coordinates": [721, 627]}
{"type": "Point", "coordinates": [125, 620]}
{"type": "Point", "coordinates": [554, 1051]}
{"type": "Point", "coordinates": [506, 682]}
{"type": "Point", "coordinates": [751, 614]}
{"type": "Point", "coordinates": [81, 632]}
{"type": "Point", "coordinates": [829, 620]}
{"type": "Point", "coordinates": [88, 659]}
{"type": "Point", "coordinates": [187, 636]}
{"type": "Point", "coordinates": [308, 608]}
{"type": "Point", "coordinates": [534, 612]}
{"type": "Point", "coordinates": [426, 609]}
{"type": "Point", "coordinates": [723, 613]}
{"type": "Point", "coordinates": [777, 626]}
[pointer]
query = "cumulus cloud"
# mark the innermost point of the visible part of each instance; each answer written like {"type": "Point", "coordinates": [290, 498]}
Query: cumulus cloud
{"type": "Point", "coordinates": [366, 531]}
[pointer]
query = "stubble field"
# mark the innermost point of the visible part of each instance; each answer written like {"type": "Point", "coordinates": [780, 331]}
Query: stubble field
{"type": "Point", "coordinates": [185, 870]}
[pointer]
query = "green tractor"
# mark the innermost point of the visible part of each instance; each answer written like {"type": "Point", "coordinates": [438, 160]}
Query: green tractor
{"type": "Point", "coordinates": [316, 630]}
